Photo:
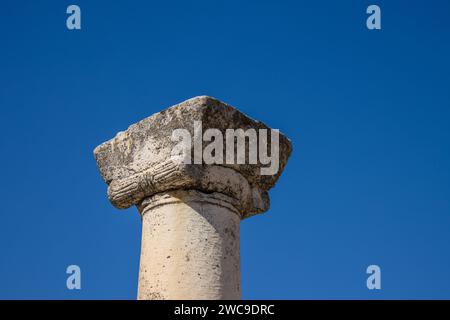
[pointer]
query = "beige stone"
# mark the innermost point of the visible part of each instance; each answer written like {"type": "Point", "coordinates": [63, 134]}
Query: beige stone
{"type": "Point", "coordinates": [190, 212]}
{"type": "Point", "coordinates": [190, 247]}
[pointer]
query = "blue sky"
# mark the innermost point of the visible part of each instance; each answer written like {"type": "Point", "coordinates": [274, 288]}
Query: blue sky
{"type": "Point", "coordinates": [367, 111]}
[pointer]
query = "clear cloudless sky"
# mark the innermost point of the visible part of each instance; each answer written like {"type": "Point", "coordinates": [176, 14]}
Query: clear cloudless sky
{"type": "Point", "coordinates": [368, 113]}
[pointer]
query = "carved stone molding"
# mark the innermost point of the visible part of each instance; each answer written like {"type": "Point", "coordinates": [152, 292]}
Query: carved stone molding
{"type": "Point", "coordinates": [190, 207]}
{"type": "Point", "coordinates": [137, 163]}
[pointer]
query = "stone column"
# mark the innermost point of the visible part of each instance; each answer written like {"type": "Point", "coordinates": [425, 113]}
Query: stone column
{"type": "Point", "coordinates": [191, 204]}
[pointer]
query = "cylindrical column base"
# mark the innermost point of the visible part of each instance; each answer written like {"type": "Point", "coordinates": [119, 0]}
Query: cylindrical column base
{"type": "Point", "coordinates": [190, 247]}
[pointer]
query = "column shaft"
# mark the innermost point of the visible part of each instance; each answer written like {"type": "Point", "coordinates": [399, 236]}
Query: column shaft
{"type": "Point", "coordinates": [190, 247]}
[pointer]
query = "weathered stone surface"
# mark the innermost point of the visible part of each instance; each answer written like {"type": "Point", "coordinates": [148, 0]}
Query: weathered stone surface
{"type": "Point", "coordinates": [137, 163]}
{"type": "Point", "coordinates": [189, 247]}
{"type": "Point", "coordinates": [190, 212]}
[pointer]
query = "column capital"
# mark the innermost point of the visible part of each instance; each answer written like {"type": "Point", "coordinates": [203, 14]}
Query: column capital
{"type": "Point", "coordinates": [187, 147]}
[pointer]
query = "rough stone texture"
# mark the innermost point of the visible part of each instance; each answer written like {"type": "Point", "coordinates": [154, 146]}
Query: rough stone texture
{"type": "Point", "coordinates": [190, 247]}
{"type": "Point", "coordinates": [190, 212]}
{"type": "Point", "coordinates": [137, 163]}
